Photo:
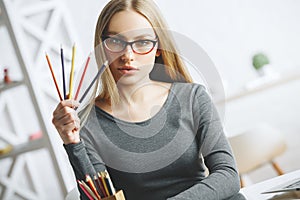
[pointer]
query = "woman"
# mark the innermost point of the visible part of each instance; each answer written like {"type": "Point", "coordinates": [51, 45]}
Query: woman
{"type": "Point", "coordinates": [149, 126]}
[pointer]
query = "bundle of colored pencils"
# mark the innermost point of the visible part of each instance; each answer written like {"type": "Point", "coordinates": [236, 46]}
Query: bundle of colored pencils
{"type": "Point", "coordinates": [70, 94]}
{"type": "Point", "coordinates": [97, 188]}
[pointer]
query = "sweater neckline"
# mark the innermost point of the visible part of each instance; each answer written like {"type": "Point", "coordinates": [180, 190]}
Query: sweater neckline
{"type": "Point", "coordinates": [160, 112]}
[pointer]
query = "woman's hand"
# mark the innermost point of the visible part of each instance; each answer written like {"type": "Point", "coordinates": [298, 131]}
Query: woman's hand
{"type": "Point", "coordinates": [66, 121]}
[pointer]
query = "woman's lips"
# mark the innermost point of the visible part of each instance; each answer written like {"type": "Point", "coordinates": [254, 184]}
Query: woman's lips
{"type": "Point", "coordinates": [127, 69]}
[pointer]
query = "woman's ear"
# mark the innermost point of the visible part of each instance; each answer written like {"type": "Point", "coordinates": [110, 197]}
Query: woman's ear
{"type": "Point", "coordinates": [158, 52]}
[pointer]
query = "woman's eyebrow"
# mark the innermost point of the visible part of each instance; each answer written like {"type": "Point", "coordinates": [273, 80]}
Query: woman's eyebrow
{"type": "Point", "coordinates": [112, 33]}
{"type": "Point", "coordinates": [145, 36]}
{"type": "Point", "coordinates": [142, 36]}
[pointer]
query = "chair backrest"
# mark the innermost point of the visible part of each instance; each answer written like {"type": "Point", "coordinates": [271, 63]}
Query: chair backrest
{"type": "Point", "coordinates": [256, 147]}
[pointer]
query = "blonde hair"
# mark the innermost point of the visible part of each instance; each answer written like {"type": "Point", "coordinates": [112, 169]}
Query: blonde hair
{"type": "Point", "coordinates": [173, 70]}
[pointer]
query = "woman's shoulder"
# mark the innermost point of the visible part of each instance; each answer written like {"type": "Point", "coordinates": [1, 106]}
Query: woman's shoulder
{"type": "Point", "coordinates": [181, 86]}
{"type": "Point", "coordinates": [195, 87]}
{"type": "Point", "coordinates": [190, 90]}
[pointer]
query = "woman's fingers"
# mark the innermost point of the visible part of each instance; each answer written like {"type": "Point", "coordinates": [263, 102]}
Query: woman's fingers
{"type": "Point", "coordinates": [69, 128]}
{"type": "Point", "coordinates": [66, 121]}
{"type": "Point", "coordinates": [71, 103]}
{"type": "Point", "coordinates": [65, 114]}
{"type": "Point", "coordinates": [64, 107]}
{"type": "Point", "coordinates": [70, 119]}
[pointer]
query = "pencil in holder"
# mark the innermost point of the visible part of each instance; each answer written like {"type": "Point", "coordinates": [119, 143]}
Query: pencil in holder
{"type": "Point", "coordinates": [117, 196]}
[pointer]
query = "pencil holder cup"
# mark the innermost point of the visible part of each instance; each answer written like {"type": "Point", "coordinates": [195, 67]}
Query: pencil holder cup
{"type": "Point", "coordinates": [118, 196]}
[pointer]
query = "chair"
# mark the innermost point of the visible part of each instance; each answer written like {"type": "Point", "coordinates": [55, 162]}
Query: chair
{"type": "Point", "coordinates": [256, 147]}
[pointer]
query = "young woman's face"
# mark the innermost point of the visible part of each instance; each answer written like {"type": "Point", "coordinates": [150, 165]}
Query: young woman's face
{"type": "Point", "coordinates": [130, 63]}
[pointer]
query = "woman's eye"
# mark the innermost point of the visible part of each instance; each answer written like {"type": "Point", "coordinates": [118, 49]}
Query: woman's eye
{"type": "Point", "coordinates": [116, 41]}
{"type": "Point", "coordinates": [143, 43]}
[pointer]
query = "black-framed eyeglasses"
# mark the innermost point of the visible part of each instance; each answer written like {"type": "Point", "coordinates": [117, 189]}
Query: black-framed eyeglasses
{"type": "Point", "coordinates": [117, 45]}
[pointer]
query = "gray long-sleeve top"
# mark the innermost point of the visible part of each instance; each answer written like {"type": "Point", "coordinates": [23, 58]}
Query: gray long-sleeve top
{"type": "Point", "coordinates": [165, 156]}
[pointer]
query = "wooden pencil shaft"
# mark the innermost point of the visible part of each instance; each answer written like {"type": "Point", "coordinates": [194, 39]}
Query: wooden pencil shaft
{"type": "Point", "coordinates": [63, 72]}
{"type": "Point", "coordinates": [72, 72]}
{"type": "Point", "coordinates": [53, 76]}
{"type": "Point", "coordinates": [100, 71]}
{"type": "Point", "coordinates": [82, 77]}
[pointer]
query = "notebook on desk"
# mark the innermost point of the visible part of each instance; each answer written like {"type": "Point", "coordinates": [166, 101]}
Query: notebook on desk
{"type": "Point", "coordinates": [292, 185]}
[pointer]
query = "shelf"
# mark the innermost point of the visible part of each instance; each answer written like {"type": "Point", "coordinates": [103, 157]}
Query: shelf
{"type": "Point", "coordinates": [10, 21]}
{"type": "Point", "coordinates": [243, 92]}
{"type": "Point", "coordinates": [13, 84]}
{"type": "Point", "coordinates": [24, 147]}
{"type": "Point", "coordinates": [5, 149]}
{"type": "Point", "coordinates": [1, 21]}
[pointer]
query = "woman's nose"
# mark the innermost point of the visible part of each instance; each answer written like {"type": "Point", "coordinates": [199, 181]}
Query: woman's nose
{"type": "Point", "coordinates": [128, 53]}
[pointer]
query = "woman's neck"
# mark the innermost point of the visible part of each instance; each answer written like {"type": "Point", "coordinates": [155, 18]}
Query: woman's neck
{"type": "Point", "coordinates": [138, 103]}
{"type": "Point", "coordinates": [135, 94]}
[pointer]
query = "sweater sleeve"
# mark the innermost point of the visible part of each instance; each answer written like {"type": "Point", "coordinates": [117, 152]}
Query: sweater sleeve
{"type": "Point", "coordinates": [84, 160]}
{"type": "Point", "coordinates": [222, 181]}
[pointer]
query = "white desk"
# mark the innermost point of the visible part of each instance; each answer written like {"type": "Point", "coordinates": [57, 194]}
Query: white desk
{"type": "Point", "coordinates": [253, 192]}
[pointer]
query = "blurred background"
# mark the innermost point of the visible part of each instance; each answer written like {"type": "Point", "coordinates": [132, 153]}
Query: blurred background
{"type": "Point", "coordinates": [253, 44]}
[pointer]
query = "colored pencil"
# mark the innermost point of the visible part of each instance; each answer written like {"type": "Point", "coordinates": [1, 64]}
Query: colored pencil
{"type": "Point", "coordinates": [108, 186]}
{"type": "Point", "coordinates": [72, 72]}
{"type": "Point", "coordinates": [63, 72]}
{"type": "Point", "coordinates": [82, 76]}
{"type": "Point", "coordinates": [99, 186]}
{"type": "Point", "coordinates": [100, 71]}
{"type": "Point", "coordinates": [113, 191]}
{"type": "Point", "coordinates": [84, 190]}
{"type": "Point", "coordinates": [90, 183]}
{"type": "Point", "coordinates": [104, 184]}
{"type": "Point", "coordinates": [88, 189]}
{"type": "Point", "coordinates": [53, 76]}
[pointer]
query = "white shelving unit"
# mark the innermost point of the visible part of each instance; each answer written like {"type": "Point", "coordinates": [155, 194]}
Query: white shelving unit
{"type": "Point", "coordinates": [17, 23]}
{"type": "Point", "coordinates": [262, 84]}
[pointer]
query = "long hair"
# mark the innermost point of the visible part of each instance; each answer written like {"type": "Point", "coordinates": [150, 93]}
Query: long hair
{"type": "Point", "coordinates": [168, 67]}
